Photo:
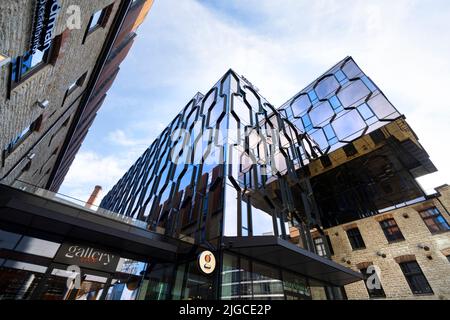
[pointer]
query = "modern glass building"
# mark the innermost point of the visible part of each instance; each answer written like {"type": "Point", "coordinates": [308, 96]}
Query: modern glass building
{"type": "Point", "coordinates": [248, 181]}
{"type": "Point", "coordinates": [229, 202]}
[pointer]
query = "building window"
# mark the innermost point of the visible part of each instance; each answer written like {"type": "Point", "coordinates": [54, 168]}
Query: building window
{"type": "Point", "coordinates": [24, 66]}
{"type": "Point", "coordinates": [21, 137]}
{"type": "Point", "coordinates": [391, 230]}
{"type": "Point", "coordinates": [98, 20]}
{"type": "Point", "coordinates": [74, 86]}
{"type": "Point", "coordinates": [329, 245]}
{"type": "Point", "coordinates": [448, 258]}
{"type": "Point", "coordinates": [355, 238]}
{"type": "Point", "coordinates": [326, 162]}
{"type": "Point", "coordinates": [320, 247]}
{"type": "Point", "coordinates": [374, 290]}
{"type": "Point", "coordinates": [415, 277]}
{"type": "Point", "coordinates": [350, 150]}
{"type": "Point", "coordinates": [434, 220]}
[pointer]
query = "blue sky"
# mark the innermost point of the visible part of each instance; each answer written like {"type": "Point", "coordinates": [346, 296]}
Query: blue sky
{"type": "Point", "coordinates": [280, 46]}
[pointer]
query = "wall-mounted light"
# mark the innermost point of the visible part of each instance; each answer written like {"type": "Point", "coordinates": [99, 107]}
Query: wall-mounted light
{"type": "Point", "coordinates": [429, 257]}
{"type": "Point", "coordinates": [43, 104]}
{"type": "Point", "coordinates": [381, 254]}
{"type": "Point", "coordinates": [405, 215]}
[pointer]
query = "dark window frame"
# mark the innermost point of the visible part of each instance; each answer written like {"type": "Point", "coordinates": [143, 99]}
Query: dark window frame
{"type": "Point", "coordinates": [417, 281]}
{"type": "Point", "coordinates": [20, 138]}
{"type": "Point", "coordinates": [74, 86]}
{"type": "Point", "coordinates": [436, 214]}
{"type": "Point", "coordinates": [50, 58]}
{"type": "Point", "coordinates": [319, 245]}
{"type": "Point", "coordinates": [350, 150]}
{"type": "Point", "coordinates": [355, 238]}
{"type": "Point", "coordinates": [105, 13]}
{"type": "Point", "coordinates": [391, 236]}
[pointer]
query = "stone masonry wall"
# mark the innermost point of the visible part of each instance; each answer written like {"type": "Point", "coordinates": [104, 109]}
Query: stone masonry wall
{"type": "Point", "coordinates": [415, 232]}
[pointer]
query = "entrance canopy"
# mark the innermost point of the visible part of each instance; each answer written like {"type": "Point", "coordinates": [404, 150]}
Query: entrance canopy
{"type": "Point", "coordinates": [46, 214]}
{"type": "Point", "coordinates": [274, 250]}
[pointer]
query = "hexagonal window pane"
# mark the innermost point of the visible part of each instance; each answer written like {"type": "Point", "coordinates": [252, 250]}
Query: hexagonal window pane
{"type": "Point", "coordinates": [301, 105]}
{"type": "Point", "coordinates": [209, 100]}
{"type": "Point", "coordinates": [347, 125]}
{"type": "Point", "coordinates": [299, 124]}
{"type": "Point", "coordinates": [320, 139]}
{"type": "Point", "coordinates": [326, 86]}
{"type": "Point", "coordinates": [321, 113]}
{"type": "Point", "coordinates": [241, 110]}
{"type": "Point", "coordinates": [382, 108]}
{"type": "Point", "coordinates": [216, 112]}
{"type": "Point", "coordinates": [356, 91]}
{"type": "Point", "coordinates": [351, 70]}
{"type": "Point", "coordinates": [252, 99]}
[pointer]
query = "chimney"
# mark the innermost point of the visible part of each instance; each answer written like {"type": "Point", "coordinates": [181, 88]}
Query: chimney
{"type": "Point", "coordinates": [93, 196]}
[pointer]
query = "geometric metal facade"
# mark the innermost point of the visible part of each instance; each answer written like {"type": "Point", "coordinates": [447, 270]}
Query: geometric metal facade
{"type": "Point", "coordinates": [342, 105]}
{"type": "Point", "coordinates": [232, 165]}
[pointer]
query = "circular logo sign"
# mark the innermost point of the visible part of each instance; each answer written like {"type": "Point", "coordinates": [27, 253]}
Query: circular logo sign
{"type": "Point", "coordinates": [207, 262]}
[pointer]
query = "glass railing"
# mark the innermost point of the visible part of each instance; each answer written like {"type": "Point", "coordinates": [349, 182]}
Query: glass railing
{"type": "Point", "coordinates": [92, 209]}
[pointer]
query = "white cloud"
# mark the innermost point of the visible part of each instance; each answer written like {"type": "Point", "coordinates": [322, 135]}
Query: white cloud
{"type": "Point", "coordinates": [90, 169]}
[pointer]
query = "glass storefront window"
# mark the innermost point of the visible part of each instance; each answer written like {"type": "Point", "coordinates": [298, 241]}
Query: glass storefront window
{"type": "Point", "coordinates": [243, 279]}
{"type": "Point", "coordinates": [267, 284]}
{"type": "Point", "coordinates": [295, 287]}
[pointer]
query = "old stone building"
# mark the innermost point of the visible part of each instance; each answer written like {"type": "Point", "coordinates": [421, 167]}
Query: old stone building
{"type": "Point", "coordinates": [408, 247]}
{"type": "Point", "coordinates": [53, 54]}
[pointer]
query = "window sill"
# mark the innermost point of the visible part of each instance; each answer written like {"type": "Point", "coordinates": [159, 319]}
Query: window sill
{"type": "Point", "coordinates": [29, 75]}
{"type": "Point", "coordinates": [439, 232]}
{"type": "Point", "coordinates": [359, 249]}
{"type": "Point", "coordinates": [423, 294]}
{"type": "Point", "coordinates": [90, 32]}
{"type": "Point", "coordinates": [396, 241]}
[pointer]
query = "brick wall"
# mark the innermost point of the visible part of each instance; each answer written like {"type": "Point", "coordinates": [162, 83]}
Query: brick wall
{"type": "Point", "coordinates": [50, 83]}
{"type": "Point", "coordinates": [416, 233]}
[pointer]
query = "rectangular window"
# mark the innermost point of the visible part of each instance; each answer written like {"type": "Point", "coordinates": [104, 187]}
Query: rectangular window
{"type": "Point", "coordinates": [24, 66]}
{"type": "Point", "coordinates": [448, 258]}
{"type": "Point", "coordinates": [75, 85]}
{"type": "Point", "coordinates": [355, 238]}
{"type": "Point", "coordinates": [374, 288]}
{"type": "Point", "coordinates": [391, 230]}
{"type": "Point", "coordinates": [434, 220]}
{"type": "Point", "coordinates": [98, 20]}
{"type": "Point", "coordinates": [329, 245]}
{"type": "Point", "coordinates": [415, 277]}
{"type": "Point", "coordinates": [21, 137]}
{"type": "Point", "coordinates": [320, 247]}
{"type": "Point", "coordinates": [350, 150]}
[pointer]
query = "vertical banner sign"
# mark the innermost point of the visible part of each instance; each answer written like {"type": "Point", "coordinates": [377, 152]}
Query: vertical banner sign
{"type": "Point", "coordinates": [44, 24]}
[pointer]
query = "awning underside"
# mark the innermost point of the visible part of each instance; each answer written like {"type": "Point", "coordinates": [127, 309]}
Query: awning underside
{"type": "Point", "coordinates": [273, 250]}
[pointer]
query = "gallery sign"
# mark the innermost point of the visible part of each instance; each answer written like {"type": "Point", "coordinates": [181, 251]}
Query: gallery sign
{"type": "Point", "coordinates": [87, 257]}
{"type": "Point", "coordinates": [44, 24]}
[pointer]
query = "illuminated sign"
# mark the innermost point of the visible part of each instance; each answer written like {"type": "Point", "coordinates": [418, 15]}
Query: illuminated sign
{"type": "Point", "coordinates": [44, 24]}
{"type": "Point", "coordinates": [88, 257]}
{"type": "Point", "coordinates": [207, 262]}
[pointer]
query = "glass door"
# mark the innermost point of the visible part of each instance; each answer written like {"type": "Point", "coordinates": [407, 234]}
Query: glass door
{"type": "Point", "coordinates": [61, 284]}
